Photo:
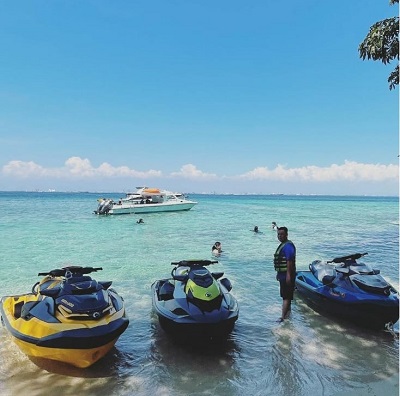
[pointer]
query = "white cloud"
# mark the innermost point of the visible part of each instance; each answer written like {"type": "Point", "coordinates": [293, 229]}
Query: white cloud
{"type": "Point", "coordinates": [190, 171]}
{"type": "Point", "coordinates": [80, 168]}
{"type": "Point", "coordinates": [26, 169]}
{"type": "Point", "coordinates": [349, 171]}
{"type": "Point", "coordinates": [75, 167]}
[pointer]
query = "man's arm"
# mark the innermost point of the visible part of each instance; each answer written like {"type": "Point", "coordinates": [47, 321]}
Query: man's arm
{"type": "Point", "coordinates": [290, 259]}
{"type": "Point", "coordinates": [290, 273]}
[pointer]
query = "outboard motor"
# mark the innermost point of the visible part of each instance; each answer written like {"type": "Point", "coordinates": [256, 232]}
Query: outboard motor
{"type": "Point", "coordinates": [104, 206]}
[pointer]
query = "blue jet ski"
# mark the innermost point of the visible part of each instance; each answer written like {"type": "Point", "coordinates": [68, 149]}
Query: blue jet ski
{"type": "Point", "coordinates": [195, 302]}
{"type": "Point", "coordinates": [351, 290]}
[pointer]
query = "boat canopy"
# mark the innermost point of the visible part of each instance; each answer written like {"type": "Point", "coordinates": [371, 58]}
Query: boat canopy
{"type": "Point", "coordinates": [151, 191]}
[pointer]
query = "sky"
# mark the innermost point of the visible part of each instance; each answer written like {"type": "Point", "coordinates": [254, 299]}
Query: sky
{"type": "Point", "coordinates": [198, 96]}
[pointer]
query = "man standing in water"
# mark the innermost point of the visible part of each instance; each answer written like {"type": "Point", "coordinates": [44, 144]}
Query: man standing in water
{"type": "Point", "coordinates": [285, 265]}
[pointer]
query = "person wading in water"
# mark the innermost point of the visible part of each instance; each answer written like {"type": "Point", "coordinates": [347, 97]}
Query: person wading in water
{"type": "Point", "coordinates": [285, 267]}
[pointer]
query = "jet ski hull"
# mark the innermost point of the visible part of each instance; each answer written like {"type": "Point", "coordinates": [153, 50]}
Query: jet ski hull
{"type": "Point", "coordinates": [197, 330]}
{"type": "Point", "coordinates": [359, 307]}
{"type": "Point", "coordinates": [81, 358]}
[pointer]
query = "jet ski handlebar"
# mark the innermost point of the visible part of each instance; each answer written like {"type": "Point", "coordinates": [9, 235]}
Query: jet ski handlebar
{"type": "Point", "coordinates": [194, 263]}
{"type": "Point", "coordinates": [351, 257]}
{"type": "Point", "coordinates": [72, 269]}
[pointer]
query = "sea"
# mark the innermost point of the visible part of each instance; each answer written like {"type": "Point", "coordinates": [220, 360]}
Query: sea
{"type": "Point", "coordinates": [309, 353]}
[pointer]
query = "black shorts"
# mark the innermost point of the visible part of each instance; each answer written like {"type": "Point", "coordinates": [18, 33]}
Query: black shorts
{"type": "Point", "coordinates": [286, 290]}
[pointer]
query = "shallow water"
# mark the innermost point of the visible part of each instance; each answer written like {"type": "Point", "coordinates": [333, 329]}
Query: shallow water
{"type": "Point", "coordinates": [308, 353]}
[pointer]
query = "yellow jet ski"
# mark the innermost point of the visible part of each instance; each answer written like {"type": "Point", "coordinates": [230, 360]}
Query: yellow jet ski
{"type": "Point", "coordinates": [68, 317]}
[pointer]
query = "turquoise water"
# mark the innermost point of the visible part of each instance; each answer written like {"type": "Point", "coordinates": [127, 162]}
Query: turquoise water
{"type": "Point", "coordinates": [307, 354]}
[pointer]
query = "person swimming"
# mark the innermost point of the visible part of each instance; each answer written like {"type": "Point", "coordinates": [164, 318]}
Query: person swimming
{"type": "Point", "coordinates": [216, 249]}
{"type": "Point", "coordinates": [140, 221]}
{"type": "Point", "coordinates": [274, 226]}
{"type": "Point", "coordinates": [255, 229]}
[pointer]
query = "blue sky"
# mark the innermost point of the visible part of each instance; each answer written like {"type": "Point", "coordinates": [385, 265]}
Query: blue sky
{"type": "Point", "coordinates": [231, 96]}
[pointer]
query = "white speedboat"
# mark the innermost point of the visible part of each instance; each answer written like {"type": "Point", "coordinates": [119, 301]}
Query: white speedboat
{"type": "Point", "coordinates": [151, 200]}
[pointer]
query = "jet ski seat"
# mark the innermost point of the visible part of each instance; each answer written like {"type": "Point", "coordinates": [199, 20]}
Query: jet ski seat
{"type": "Point", "coordinates": [324, 272]}
{"type": "Point", "coordinates": [181, 273]}
{"type": "Point", "coordinates": [182, 270]}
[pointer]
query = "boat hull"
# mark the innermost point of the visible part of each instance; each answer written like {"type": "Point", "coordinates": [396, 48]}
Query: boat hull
{"type": "Point", "coordinates": [364, 309]}
{"type": "Point", "coordinates": [150, 208]}
{"type": "Point", "coordinates": [81, 358]}
{"type": "Point", "coordinates": [80, 343]}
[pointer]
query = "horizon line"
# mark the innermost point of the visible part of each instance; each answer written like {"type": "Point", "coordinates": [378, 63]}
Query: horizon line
{"type": "Point", "coordinates": [52, 191]}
